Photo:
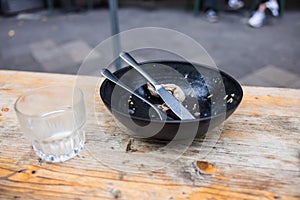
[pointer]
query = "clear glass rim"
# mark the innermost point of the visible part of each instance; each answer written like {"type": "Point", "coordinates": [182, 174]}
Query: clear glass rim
{"type": "Point", "coordinates": [43, 88]}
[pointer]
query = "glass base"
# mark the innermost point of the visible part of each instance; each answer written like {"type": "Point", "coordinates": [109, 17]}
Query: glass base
{"type": "Point", "coordinates": [62, 149]}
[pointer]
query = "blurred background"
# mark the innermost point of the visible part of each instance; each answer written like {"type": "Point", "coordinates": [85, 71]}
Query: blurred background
{"type": "Point", "coordinates": [56, 35]}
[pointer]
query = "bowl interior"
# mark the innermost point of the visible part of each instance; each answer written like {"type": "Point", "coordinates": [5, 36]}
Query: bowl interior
{"type": "Point", "coordinates": [209, 92]}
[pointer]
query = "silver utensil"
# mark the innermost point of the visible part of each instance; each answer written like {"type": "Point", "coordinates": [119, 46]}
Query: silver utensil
{"type": "Point", "coordinates": [107, 74]}
{"type": "Point", "coordinates": [168, 98]}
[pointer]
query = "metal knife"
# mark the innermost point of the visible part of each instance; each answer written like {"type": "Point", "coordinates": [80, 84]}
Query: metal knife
{"type": "Point", "coordinates": [168, 98]}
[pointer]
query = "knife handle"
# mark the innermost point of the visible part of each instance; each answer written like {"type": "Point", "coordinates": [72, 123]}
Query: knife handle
{"type": "Point", "coordinates": [131, 61]}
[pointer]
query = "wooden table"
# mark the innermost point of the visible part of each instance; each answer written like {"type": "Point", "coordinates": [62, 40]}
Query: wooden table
{"type": "Point", "coordinates": [256, 157]}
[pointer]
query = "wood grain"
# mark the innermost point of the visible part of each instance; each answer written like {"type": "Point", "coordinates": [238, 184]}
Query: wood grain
{"type": "Point", "coordinates": [256, 157]}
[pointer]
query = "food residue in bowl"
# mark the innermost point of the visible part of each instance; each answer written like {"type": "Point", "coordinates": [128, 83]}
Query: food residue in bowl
{"type": "Point", "coordinates": [197, 108]}
{"type": "Point", "coordinates": [174, 89]}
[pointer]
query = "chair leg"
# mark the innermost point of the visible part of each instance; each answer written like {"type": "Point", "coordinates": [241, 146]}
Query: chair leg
{"type": "Point", "coordinates": [114, 20]}
{"type": "Point", "coordinates": [197, 4]}
{"type": "Point", "coordinates": [50, 6]}
{"type": "Point", "coordinates": [281, 7]}
{"type": "Point", "coordinates": [90, 4]}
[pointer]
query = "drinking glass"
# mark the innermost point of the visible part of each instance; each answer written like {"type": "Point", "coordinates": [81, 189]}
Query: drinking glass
{"type": "Point", "coordinates": [52, 119]}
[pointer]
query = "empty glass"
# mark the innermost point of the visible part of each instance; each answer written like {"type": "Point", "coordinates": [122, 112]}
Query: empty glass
{"type": "Point", "coordinates": [52, 118]}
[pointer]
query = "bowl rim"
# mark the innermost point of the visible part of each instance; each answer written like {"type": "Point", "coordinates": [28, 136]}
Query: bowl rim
{"type": "Point", "coordinates": [127, 68]}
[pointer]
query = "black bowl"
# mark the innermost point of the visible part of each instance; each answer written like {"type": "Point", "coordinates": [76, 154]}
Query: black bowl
{"type": "Point", "coordinates": [211, 95]}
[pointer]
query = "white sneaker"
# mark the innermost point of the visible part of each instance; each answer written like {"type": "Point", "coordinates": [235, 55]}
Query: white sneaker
{"type": "Point", "coordinates": [273, 6]}
{"type": "Point", "coordinates": [257, 19]}
{"type": "Point", "coordinates": [235, 4]}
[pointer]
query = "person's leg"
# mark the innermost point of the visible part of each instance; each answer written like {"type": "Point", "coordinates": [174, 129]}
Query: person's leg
{"type": "Point", "coordinates": [258, 17]}
{"type": "Point", "coordinates": [262, 7]}
{"type": "Point", "coordinates": [273, 6]}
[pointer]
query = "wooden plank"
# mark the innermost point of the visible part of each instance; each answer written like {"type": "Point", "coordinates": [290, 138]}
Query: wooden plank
{"type": "Point", "coordinates": [256, 157]}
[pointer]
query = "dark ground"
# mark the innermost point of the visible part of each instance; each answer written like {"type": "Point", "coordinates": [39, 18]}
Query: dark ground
{"type": "Point", "coordinates": [268, 56]}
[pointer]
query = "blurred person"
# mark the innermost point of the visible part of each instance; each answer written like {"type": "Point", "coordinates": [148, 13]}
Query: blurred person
{"type": "Point", "coordinates": [211, 8]}
{"type": "Point", "coordinates": [259, 16]}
